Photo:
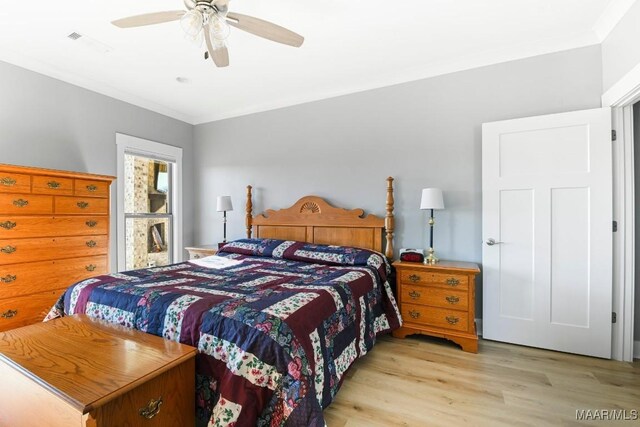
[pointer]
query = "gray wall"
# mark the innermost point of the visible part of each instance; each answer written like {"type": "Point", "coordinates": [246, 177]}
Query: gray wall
{"type": "Point", "coordinates": [621, 50]}
{"type": "Point", "coordinates": [45, 122]}
{"type": "Point", "coordinates": [425, 133]}
{"type": "Point", "coordinates": [636, 153]}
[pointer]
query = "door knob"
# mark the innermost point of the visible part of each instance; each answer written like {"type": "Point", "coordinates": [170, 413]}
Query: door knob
{"type": "Point", "coordinates": [491, 242]}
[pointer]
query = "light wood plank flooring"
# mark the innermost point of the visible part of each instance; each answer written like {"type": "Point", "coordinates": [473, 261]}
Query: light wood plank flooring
{"type": "Point", "coordinates": [423, 381]}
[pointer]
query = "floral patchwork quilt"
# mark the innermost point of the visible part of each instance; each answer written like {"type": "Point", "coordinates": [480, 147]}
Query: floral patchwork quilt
{"type": "Point", "coordinates": [275, 333]}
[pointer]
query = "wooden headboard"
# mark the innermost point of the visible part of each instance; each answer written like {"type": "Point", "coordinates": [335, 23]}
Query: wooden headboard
{"type": "Point", "coordinates": [312, 219]}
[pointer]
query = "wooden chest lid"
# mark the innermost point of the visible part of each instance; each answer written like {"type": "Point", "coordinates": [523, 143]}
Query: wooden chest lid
{"type": "Point", "coordinates": [88, 362]}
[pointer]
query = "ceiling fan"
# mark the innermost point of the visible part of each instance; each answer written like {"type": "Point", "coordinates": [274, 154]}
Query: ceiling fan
{"type": "Point", "coordinates": [210, 20]}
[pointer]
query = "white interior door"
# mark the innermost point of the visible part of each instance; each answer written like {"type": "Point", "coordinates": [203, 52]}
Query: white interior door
{"type": "Point", "coordinates": [547, 203]}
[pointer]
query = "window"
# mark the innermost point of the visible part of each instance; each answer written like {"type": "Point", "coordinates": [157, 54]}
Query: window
{"type": "Point", "coordinates": [149, 226]}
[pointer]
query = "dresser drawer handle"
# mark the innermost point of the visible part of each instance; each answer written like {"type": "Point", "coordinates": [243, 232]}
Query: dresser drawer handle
{"type": "Point", "coordinates": [152, 409]}
{"type": "Point", "coordinates": [8, 182]}
{"type": "Point", "coordinates": [9, 314]}
{"type": "Point", "coordinates": [8, 249]}
{"type": "Point", "coordinates": [452, 320]}
{"type": "Point", "coordinates": [8, 278]}
{"type": "Point", "coordinates": [8, 225]}
{"type": "Point", "coordinates": [453, 299]}
{"type": "Point", "coordinates": [92, 188]}
{"type": "Point", "coordinates": [414, 314]}
{"type": "Point", "coordinates": [91, 224]}
{"type": "Point", "coordinates": [453, 282]}
{"type": "Point", "coordinates": [82, 205]}
{"type": "Point", "coordinates": [414, 294]}
{"type": "Point", "coordinates": [91, 243]}
{"type": "Point", "coordinates": [53, 184]}
{"type": "Point", "coordinates": [21, 203]}
{"type": "Point", "coordinates": [90, 267]}
{"type": "Point", "coordinates": [414, 278]}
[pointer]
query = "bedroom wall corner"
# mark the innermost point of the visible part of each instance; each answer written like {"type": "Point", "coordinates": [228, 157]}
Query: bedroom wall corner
{"type": "Point", "coordinates": [48, 123]}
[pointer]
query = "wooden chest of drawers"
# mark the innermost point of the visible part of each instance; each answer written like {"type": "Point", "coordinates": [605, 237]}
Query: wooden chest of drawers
{"type": "Point", "coordinates": [54, 231]}
{"type": "Point", "coordinates": [78, 371]}
{"type": "Point", "coordinates": [438, 300]}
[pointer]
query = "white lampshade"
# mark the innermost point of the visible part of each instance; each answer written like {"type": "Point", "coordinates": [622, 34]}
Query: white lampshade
{"type": "Point", "coordinates": [224, 204]}
{"type": "Point", "coordinates": [432, 199]}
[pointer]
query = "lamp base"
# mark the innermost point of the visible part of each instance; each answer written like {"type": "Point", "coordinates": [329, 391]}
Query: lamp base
{"type": "Point", "coordinates": [431, 257]}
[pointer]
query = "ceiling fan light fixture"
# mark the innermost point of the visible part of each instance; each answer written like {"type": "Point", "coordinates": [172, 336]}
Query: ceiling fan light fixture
{"type": "Point", "coordinates": [192, 23]}
{"type": "Point", "coordinates": [219, 28]}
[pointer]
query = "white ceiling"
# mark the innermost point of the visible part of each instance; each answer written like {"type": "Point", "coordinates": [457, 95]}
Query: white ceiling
{"type": "Point", "coordinates": [351, 45]}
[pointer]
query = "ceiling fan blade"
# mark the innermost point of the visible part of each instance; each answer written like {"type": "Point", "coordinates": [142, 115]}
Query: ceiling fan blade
{"type": "Point", "coordinates": [264, 29]}
{"type": "Point", "coordinates": [219, 56]}
{"type": "Point", "coordinates": [149, 19]}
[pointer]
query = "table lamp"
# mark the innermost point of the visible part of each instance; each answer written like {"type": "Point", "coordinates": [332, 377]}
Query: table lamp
{"type": "Point", "coordinates": [224, 205]}
{"type": "Point", "coordinates": [431, 199]}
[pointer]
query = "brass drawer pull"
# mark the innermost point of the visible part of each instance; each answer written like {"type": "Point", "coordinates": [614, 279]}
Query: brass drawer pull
{"type": "Point", "coordinates": [8, 182]}
{"type": "Point", "coordinates": [8, 278]}
{"type": "Point", "coordinates": [453, 281]}
{"type": "Point", "coordinates": [152, 409]}
{"type": "Point", "coordinates": [91, 243]}
{"type": "Point", "coordinates": [452, 320]}
{"type": "Point", "coordinates": [90, 267]}
{"type": "Point", "coordinates": [82, 205]}
{"type": "Point", "coordinates": [8, 249]}
{"type": "Point", "coordinates": [7, 225]}
{"type": "Point", "coordinates": [414, 314]}
{"type": "Point", "coordinates": [92, 188]}
{"type": "Point", "coordinates": [414, 278]}
{"type": "Point", "coordinates": [414, 294]}
{"type": "Point", "coordinates": [91, 223]}
{"type": "Point", "coordinates": [54, 184]}
{"type": "Point", "coordinates": [453, 299]}
{"type": "Point", "coordinates": [9, 314]}
{"type": "Point", "coordinates": [21, 203]}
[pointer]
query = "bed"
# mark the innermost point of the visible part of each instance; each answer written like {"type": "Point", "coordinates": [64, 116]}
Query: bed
{"type": "Point", "coordinates": [280, 319]}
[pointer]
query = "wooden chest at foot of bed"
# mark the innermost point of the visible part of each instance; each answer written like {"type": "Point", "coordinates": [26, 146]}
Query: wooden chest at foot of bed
{"type": "Point", "coordinates": [76, 371]}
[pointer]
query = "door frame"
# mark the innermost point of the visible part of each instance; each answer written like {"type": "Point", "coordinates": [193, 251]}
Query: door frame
{"type": "Point", "coordinates": [621, 97]}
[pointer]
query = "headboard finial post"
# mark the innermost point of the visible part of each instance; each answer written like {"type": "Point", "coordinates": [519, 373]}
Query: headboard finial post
{"type": "Point", "coordinates": [249, 209]}
{"type": "Point", "coordinates": [389, 219]}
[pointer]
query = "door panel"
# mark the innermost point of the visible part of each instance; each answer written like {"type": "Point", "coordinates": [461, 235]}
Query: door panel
{"type": "Point", "coordinates": [547, 202]}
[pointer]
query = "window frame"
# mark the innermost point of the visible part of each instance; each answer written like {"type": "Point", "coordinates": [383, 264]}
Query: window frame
{"type": "Point", "coordinates": [126, 144]}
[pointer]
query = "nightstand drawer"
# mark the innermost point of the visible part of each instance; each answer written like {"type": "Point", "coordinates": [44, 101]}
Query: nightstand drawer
{"type": "Point", "coordinates": [431, 316]}
{"type": "Point", "coordinates": [417, 277]}
{"type": "Point", "coordinates": [438, 297]}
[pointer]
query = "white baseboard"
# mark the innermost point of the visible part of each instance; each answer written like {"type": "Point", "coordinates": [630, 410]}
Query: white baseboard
{"type": "Point", "coordinates": [636, 350]}
{"type": "Point", "coordinates": [479, 330]}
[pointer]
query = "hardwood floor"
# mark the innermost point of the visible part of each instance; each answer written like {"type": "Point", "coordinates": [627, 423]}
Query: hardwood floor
{"type": "Point", "coordinates": [423, 381]}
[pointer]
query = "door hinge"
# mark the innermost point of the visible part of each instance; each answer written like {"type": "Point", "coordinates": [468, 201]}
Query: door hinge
{"type": "Point", "coordinates": [614, 135]}
{"type": "Point", "coordinates": [615, 226]}
{"type": "Point", "coordinates": [614, 317]}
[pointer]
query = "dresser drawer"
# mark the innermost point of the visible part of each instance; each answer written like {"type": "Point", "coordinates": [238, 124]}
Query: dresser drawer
{"type": "Point", "coordinates": [169, 396]}
{"type": "Point", "coordinates": [45, 226]}
{"type": "Point", "coordinates": [438, 317]}
{"type": "Point", "coordinates": [81, 205]}
{"type": "Point", "coordinates": [52, 185]}
{"type": "Point", "coordinates": [14, 251]}
{"type": "Point", "coordinates": [434, 296]}
{"type": "Point", "coordinates": [417, 277]}
{"type": "Point", "coordinates": [14, 183]}
{"type": "Point", "coordinates": [32, 277]}
{"type": "Point", "coordinates": [91, 188]}
{"type": "Point", "coordinates": [25, 310]}
{"type": "Point", "coordinates": [25, 204]}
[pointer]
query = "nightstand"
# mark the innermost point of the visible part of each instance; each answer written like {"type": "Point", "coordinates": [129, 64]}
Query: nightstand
{"type": "Point", "coordinates": [201, 251]}
{"type": "Point", "coordinates": [438, 300]}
